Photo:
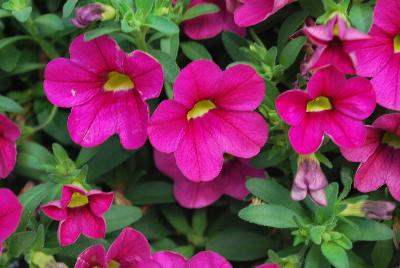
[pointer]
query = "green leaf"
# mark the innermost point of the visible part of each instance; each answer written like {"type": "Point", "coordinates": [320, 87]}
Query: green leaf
{"type": "Point", "coordinates": [170, 45]}
{"type": "Point", "coordinates": [236, 46]}
{"type": "Point", "coordinates": [199, 221]}
{"type": "Point", "coordinates": [10, 56]}
{"type": "Point", "coordinates": [315, 259]}
{"type": "Point", "coordinates": [269, 215]}
{"type": "Point", "coordinates": [9, 105]}
{"type": "Point", "coordinates": [101, 31]}
{"type": "Point", "coordinates": [176, 217]}
{"type": "Point", "coordinates": [240, 245]}
{"type": "Point", "coordinates": [144, 6]}
{"type": "Point", "coordinates": [68, 7]}
{"type": "Point", "coordinates": [20, 242]}
{"type": "Point", "coordinates": [170, 68]}
{"type": "Point", "coordinates": [22, 15]}
{"type": "Point", "coordinates": [382, 254]}
{"type": "Point", "coordinates": [31, 200]}
{"type": "Point", "coordinates": [151, 192]}
{"type": "Point", "coordinates": [33, 160]}
{"type": "Point", "coordinates": [361, 16]}
{"type": "Point", "coordinates": [366, 230]}
{"type": "Point", "coordinates": [49, 23]}
{"type": "Point", "coordinates": [315, 8]}
{"type": "Point", "coordinates": [289, 26]}
{"type": "Point", "coordinates": [316, 233]}
{"type": "Point", "coordinates": [199, 10]}
{"type": "Point", "coordinates": [10, 40]}
{"type": "Point", "coordinates": [335, 254]}
{"type": "Point", "coordinates": [119, 217]}
{"type": "Point", "coordinates": [291, 51]}
{"type": "Point", "coordinates": [162, 24]}
{"type": "Point", "coordinates": [152, 226]}
{"type": "Point", "coordinates": [195, 51]}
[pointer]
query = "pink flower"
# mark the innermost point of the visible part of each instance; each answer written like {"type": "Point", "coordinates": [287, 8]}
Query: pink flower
{"type": "Point", "coordinates": [272, 265]}
{"type": "Point", "coordinates": [331, 105]}
{"type": "Point", "coordinates": [379, 56]}
{"type": "Point", "coordinates": [379, 156]}
{"type": "Point", "coordinates": [207, 26]}
{"type": "Point", "coordinates": [204, 259]}
{"type": "Point", "coordinates": [10, 215]}
{"type": "Point", "coordinates": [212, 113]}
{"type": "Point", "coordinates": [106, 89]}
{"type": "Point", "coordinates": [333, 40]}
{"type": "Point", "coordinates": [251, 12]}
{"type": "Point", "coordinates": [9, 134]}
{"type": "Point", "coordinates": [79, 212]}
{"type": "Point", "coordinates": [231, 181]}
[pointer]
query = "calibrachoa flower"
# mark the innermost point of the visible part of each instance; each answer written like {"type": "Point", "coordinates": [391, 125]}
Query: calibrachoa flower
{"type": "Point", "coordinates": [106, 89]}
{"type": "Point", "coordinates": [212, 113]}
{"type": "Point", "coordinates": [131, 249]}
{"type": "Point", "coordinates": [309, 179]}
{"type": "Point", "coordinates": [9, 134]}
{"type": "Point", "coordinates": [10, 215]}
{"type": "Point", "coordinates": [379, 56]}
{"type": "Point", "coordinates": [379, 156]}
{"type": "Point", "coordinates": [210, 25]}
{"type": "Point", "coordinates": [251, 12]}
{"type": "Point", "coordinates": [379, 210]}
{"type": "Point", "coordinates": [272, 265]}
{"type": "Point", "coordinates": [79, 212]}
{"type": "Point", "coordinates": [333, 40]}
{"type": "Point", "coordinates": [231, 181]}
{"type": "Point", "coordinates": [331, 105]}
{"type": "Point", "coordinates": [90, 13]}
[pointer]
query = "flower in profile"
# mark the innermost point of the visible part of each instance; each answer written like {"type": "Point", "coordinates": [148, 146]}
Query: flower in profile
{"type": "Point", "coordinates": [251, 12]}
{"type": "Point", "coordinates": [212, 113]}
{"type": "Point", "coordinates": [333, 41]}
{"type": "Point", "coordinates": [231, 181]}
{"type": "Point", "coordinates": [10, 215]}
{"type": "Point", "coordinates": [210, 25]}
{"type": "Point", "coordinates": [378, 210]}
{"type": "Point", "coordinates": [209, 259]}
{"type": "Point", "coordinates": [79, 212]}
{"type": "Point", "coordinates": [331, 105]}
{"type": "Point", "coordinates": [90, 13]}
{"type": "Point", "coordinates": [106, 89]}
{"type": "Point", "coordinates": [271, 265]}
{"type": "Point", "coordinates": [9, 134]}
{"type": "Point", "coordinates": [309, 180]}
{"type": "Point", "coordinates": [379, 156]}
{"type": "Point", "coordinates": [379, 56]}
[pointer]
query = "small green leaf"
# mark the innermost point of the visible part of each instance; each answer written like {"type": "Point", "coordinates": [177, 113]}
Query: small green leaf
{"type": "Point", "coordinates": [10, 40]}
{"type": "Point", "coordinates": [335, 254]}
{"type": "Point", "coordinates": [169, 65]}
{"type": "Point", "coordinates": [176, 218]}
{"type": "Point", "coordinates": [199, 221]}
{"type": "Point", "coordinates": [315, 259]}
{"type": "Point", "coordinates": [9, 105]}
{"type": "Point", "coordinates": [366, 230]}
{"type": "Point", "coordinates": [291, 51]}
{"type": "Point", "coordinates": [20, 242]}
{"type": "Point", "coordinates": [151, 192]}
{"type": "Point", "coordinates": [22, 15]}
{"type": "Point", "coordinates": [101, 31]}
{"type": "Point", "coordinates": [162, 24]}
{"type": "Point", "coordinates": [199, 10]}
{"type": "Point", "coordinates": [68, 7]}
{"type": "Point", "coordinates": [119, 217]}
{"type": "Point", "coordinates": [194, 51]}
{"type": "Point", "coordinates": [269, 215]}
{"type": "Point", "coordinates": [361, 16]}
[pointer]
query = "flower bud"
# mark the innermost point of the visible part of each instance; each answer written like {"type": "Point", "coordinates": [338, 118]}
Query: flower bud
{"type": "Point", "coordinates": [90, 13]}
{"type": "Point", "coordinates": [381, 210]}
{"type": "Point", "coordinates": [309, 180]}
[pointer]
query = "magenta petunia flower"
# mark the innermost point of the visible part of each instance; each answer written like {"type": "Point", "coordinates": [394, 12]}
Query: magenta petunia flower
{"type": "Point", "coordinates": [204, 259]}
{"type": "Point", "coordinates": [231, 181]}
{"type": "Point", "coordinates": [10, 215]}
{"type": "Point", "coordinates": [332, 105]}
{"type": "Point", "coordinates": [106, 89]}
{"type": "Point", "coordinates": [271, 265]}
{"type": "Point", "coordinates": [212, 113]}
{"type": "Point", "coordinates": [250, 12]}
{"type": "Point", "coordinates": [210, 25]}
{"type": "Point", "coordinates": [379, 56]}
{"type": "Point", "coordinates": [379, 156]}
{"type": "Point", "coordinates": [79, 212]}
{"type": "Point", "coordinates": [333, 40]}
{"type": "Point", "coordinates": [9, 134]}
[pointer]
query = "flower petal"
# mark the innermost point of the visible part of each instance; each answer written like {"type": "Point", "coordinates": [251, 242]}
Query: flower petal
{"type": "Point", "coordinates": [100, 202]}
{"type": "Point", "coordinates": [292, 105]}
{"type": "Point", "coordinates": [166, 164]}
{"type": "Point", "coordinates": [69, 231]}
{"type": "Point", "coordinates": [92, 226]}
{"type": "Point", "coordinates": [54, 211]}
{"type": "Point", "coordinates": [10, 213]}
{"type": "Point", "coordinates": [67, 192]}
{"type": "Point", "coordinates": [94, 256]}
{"type": "Point", "coordinates": [253, 12]}
{"type": "Point", "coordinates": [385, 15]}
{"type": "Point", "coordinates": [169, 259]}
{"type": "Point", "coordinates": [392, 179]}
{"type": "Point", "coordinates": [208, 259]}
{"type": "Point", "coordinates": [389, 123]}
{"type": "Point", "coordinates": [8, 157]}
{"type": "Point", "coordinates": [8, 129]}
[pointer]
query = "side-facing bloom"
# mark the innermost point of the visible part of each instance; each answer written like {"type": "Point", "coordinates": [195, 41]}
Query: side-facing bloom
{"type": "Point", "coordinates": [231, 181]}
{"type": "Point", "coordinates": [333, 41]}
{"type": "Point", "coordinates": [79, 212]}
{"type": "Point", "coordinates": [212, 113]}
{"type": "Point", "coordinates": [203, 259]}
{"type": "Point", "coordinates": [210, 25]}
{"type": "Point", "coordinates": [379, 156]}
{"type": "Point", "coordinates": [379, 56]}
{"type": "Point", "coordinates": [9, 134]}
{"type": "Point", "coordinates": [379, 210]}
{"type": "Point", "coordinates": [106, 89]}
{"type": "Point", "coordinates": [309, 180]}
{"type": "Point", "coordinates": [10, 215]}
{"type": "Point", "coordinates": [90, 13]}
{"type": "Point", "coordinates": [251, 12]}
{"type": "Point", "coordinates": [332, 105]}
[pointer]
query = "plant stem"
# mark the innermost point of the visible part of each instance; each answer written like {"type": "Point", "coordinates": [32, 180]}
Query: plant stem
{"type": "Point", "coordinates": [47, 122]}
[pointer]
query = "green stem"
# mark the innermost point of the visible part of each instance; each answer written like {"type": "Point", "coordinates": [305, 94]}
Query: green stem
{"type": "Point", "coordinates": [47, 122]}
{"type": "Point", "coordinates": [140, 40]}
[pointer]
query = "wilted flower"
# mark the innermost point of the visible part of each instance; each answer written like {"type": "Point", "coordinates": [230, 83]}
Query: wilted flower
{"type": "Point", "coordinates": [9, 134]}
{"type": "Point", "coordinates": [79, 212]}
{"type": "Point", "coordinates": [380, 210]}
{"type": "Point", "coordinates": [106, 89]}
{"type": "Point", "coordinates": [212, 113]}
{"type": "Point", "coordinates": [10, 215]}
{"type": "Point", "coordinates": [90, 13]}
{"type": "Point", "coordinates": [309, 179]}
{"type": "Point", "coordinates": [332, 105]}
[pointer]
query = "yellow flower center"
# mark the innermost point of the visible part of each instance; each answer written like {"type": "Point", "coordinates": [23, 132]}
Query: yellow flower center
{"type": "Point", "coordinates": [336, 30]}
{"type": "Point", "coordinates": [200, 109]}
{"type": "Point", "coordinates": [396, 44]}
{"type": "Point", "coordinates": [78, 200]}
{"type": "Point", "coordinates": [118, 82]}
{"type": "Point", "coordinates": [391, 139]}
{"type": "Point", "coordinates": [113, 264]}
{"type": "Point", "coordinates": [319, 104]}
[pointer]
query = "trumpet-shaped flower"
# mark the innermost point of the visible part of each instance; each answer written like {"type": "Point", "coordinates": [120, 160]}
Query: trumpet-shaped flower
{"type": "Point", "coordinates": [79, 212]}
{"type": "Point", "coordinates": [106, 89]}
{"type": "Point", "coordinates": [9, 134]}
{"type": "Point", "coordinates": [212, 113]}
{"type": "Point", "coordinates": [204, 259]}
{"type": "Point", "coordinates": [10, 215]}
{"type": "Point", "coordinates": [333, 40]}
{"type": "Point", "coordinates": [379, 156]}
{"type": "Point", "coordinates": [332, 105]}
{"type": "Point", "coordinates": [379, 56]}
{"type": "Point", "coordinates": [231, 181]}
